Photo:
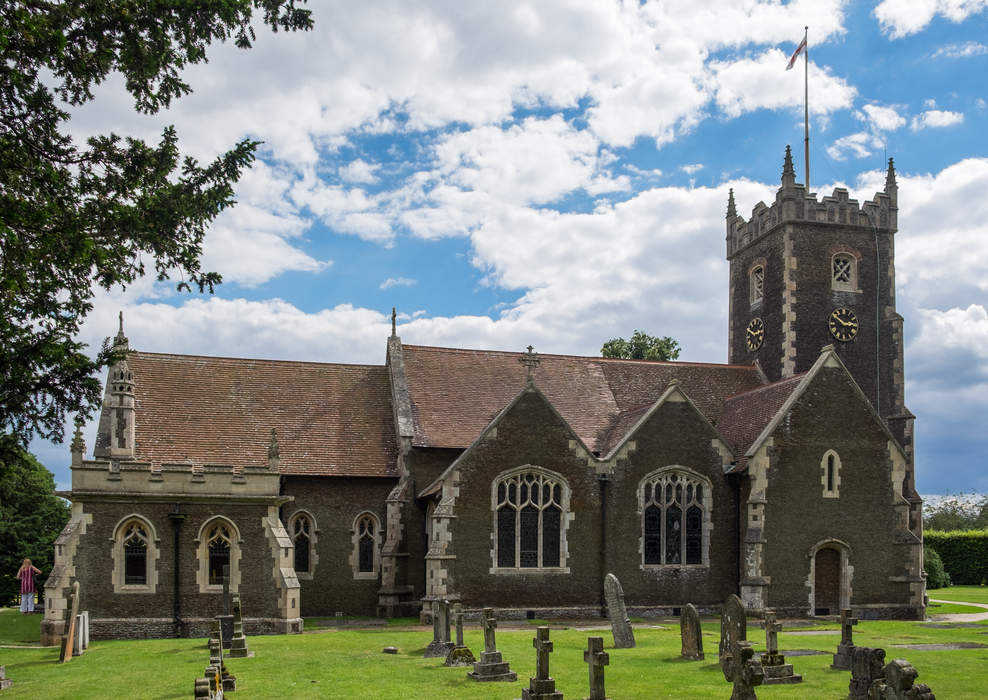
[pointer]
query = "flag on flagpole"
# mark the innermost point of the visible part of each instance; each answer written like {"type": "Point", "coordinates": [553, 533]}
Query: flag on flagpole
{"type": "Point", "coordinates": [795, 54]}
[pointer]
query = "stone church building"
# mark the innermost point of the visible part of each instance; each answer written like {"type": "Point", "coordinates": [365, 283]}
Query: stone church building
{"type": "Point", "coordinates": [518, 480]}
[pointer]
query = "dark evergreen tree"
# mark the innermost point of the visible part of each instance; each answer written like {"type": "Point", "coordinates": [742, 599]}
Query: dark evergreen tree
{"type": "Point", "coordinates": [74, 216]}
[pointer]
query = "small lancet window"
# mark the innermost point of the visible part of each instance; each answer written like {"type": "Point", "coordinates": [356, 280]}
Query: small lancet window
{"type": "Point", "coordinates": [302, 537]}
{"type": "Point", "coordinates": [830, 474]}
{"type": "Point", "coordinates": [135, 556]}
{"type": "Point", "coordinates": [366, 539]}
{"type": "Point", "coordinates": [218, 544]}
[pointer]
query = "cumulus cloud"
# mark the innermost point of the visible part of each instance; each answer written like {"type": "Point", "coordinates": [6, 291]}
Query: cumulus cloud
{"type": "Point", "coordinates": [901, 18]}
{"type": "Point", "coordinates": [962, 50]}
{"type": "Point", "coordinates": [878, 120]}
{"type": "Point", "coordinates": [397, 282]}
{"type": "Point", "coordinates": [935, 119]}
{"type": "Point", "coordinates": [359, 170]}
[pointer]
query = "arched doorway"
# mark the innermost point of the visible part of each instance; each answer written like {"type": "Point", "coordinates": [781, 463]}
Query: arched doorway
{"type": "Point", "coordinates": [826, 582]}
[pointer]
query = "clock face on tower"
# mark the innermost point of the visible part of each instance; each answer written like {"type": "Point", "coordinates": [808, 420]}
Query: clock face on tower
{"type": "Point", "coordinates": [754, 334]}
{"type": "Point", "coordinates": [843, 324]}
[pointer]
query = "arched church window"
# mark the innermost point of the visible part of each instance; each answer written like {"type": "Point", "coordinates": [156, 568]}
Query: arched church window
{"type": "Point", "coordinates": [302, 529]}
{"type": "Point", "coordinates": [756, 283]}
{"type": "Point", "coordinates": [844, 272]}
{"type": "Point", "coordinates": [675, 507]}
{"type": "Point", "coordinates": [529, 509]}
{"type": "Point", "coordinates": [218, 554]}
{"type": "Point", "coordinates": [830, 474]}
{"type": "Point", "coordinates": [366, 540]}
{"type": "Point", "coordinates": [135, 554]}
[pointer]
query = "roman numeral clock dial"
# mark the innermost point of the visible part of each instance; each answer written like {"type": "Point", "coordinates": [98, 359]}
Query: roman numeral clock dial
{"type": "Point", "coordinates": [754, 334]}
{"type": "Point", "coordinates": [843, 324]}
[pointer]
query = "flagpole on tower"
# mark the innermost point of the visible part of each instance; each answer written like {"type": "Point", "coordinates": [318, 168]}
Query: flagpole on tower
{"type": "Point", "coordinates": [806, 105]}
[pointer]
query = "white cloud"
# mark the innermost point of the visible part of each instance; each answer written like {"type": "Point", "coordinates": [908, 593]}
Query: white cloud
{"type": "Point", "coordinates": [359, 170]}
{"type": "Point", "coordinates": [900, 18]}
{"type": "Point", "coordinates": [857, 144]}
{"type": "Point", "coordinates": [878, 119]}
{"type": "Point", "coordinates": [692, 168]}
{"type": "Point", "coordinates": [936, 119]}
{"type": "Point", "coordinates": [397, 282]}
{"type": "Point", "coordinates": [883, 118]}
{"type": "Point", "coordinates": [961, 50]}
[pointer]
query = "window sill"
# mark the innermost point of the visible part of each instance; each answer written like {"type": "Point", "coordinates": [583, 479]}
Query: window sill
{"type": "Point", "coordinates": [363, 576]}
{"type": "Point", "coordinates": [529, 570]}
{"type": "Point", "coordinates": [663, 567]}
{"type": "Point", "coordinates": [845, 288]}
{"type": "Point", "coordinates": [146, 588]}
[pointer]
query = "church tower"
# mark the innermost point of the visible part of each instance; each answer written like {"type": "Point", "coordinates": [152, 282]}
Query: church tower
{"type": "Point", "coordinates": [805, 274]}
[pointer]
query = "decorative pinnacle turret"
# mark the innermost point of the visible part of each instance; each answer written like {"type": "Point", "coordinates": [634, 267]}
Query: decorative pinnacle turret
{"type": "Point", "coordinates": [732, 210]}
{"type": "Point", "coordinates": [78, 445]}
{"type": "Point", "coordinates": [394, 325]}
{"type": "Point", "coordinates": [890, 176]}
{"type": "Point", "coordinates": [788, 172]}
{"type": "Point", "coordinates": [121, 339]}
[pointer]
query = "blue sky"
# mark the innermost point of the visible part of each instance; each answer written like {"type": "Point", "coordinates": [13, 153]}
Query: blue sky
{"type": "Point", "coordinates": [556, 173]}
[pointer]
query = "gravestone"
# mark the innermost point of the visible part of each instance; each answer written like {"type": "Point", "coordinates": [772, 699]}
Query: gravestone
{"type": "Point", "coordinates": [440, 644]}
{"type": "Point", "coordinates": [842, 659]}
{"type": "Point", "coordinates": [542, 687]}
{"type": "Point", "coordinates": [238, 643]}
{"type": "Point", "coordinates": [226, 619]}
{"type": "Point", "coordinates": [4, 683]}
{"type": "Point", "coordinates": [214, 688]}
{"type": "Point", "coordinates": [459, 655]}
{"type": "Point", "coordinates": [491, 666]}
{"type": "Point", "coordinates": [228, 681]}
{"type": "Point", "coordinates": [85, 629]}
{"type": "Point", "coordinates": [773, 662]}
{"type": "Point", "coordinates": [900, 683]}
{"type": "Point", "coordinates": [743, 670]}
{"type": "Point", "coordinates": [77, 647]}
{"type": "Point", "coordinates": [691, 633]}
{"type": "Point", "coordinates": [596, 659]}
{"type": "Point", "coordinates": [202, 689]}
{"type": "Point", "coordinates": [68, 640]}
{"type": "Point", "coordinates": [867, 666]}
{"type": "Point", "coordinates": [733, 628]}
{"type": "Point", "coordinates": [624, 636]}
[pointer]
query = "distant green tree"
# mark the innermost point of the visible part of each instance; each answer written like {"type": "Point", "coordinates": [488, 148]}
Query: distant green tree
{"type": "Point", "coordinates": [642, 346]}
{"type": "Point", "coordinates": [957, 512]}
{"type": "Point", "coordinates": [936, 575]}
{"type": "Point", "coordinates": [31, 516]}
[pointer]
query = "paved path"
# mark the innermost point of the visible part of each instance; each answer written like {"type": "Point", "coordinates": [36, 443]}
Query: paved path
{"type": "Point", "coordinates": [961, 617]}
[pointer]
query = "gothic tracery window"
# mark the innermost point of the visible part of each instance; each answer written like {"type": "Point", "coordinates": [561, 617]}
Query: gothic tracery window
{"type": "Point", "coordinates": [301, 533]}
{"type": "Point", "coordinates": [134, 554]}
{"type": "Point", "coordinates": [135, 548]}
{"type": "Point", "coordinates": [529, 508]}
{"type": "Point", "coordinates": [844, 272]}
{"type": "Point", "coordinates": [675, 518]}
{"type": "Point", "coordinates": [366, 556]}
{"type": "Point", "coordinates": [218, 546]}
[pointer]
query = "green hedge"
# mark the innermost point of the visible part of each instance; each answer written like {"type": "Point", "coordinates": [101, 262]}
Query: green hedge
{"type": "Point", "coordinates": [964, 554]}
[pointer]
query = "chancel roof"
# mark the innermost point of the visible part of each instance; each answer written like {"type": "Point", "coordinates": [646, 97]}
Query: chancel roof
{"type": "Point", "coordinates": [331, 419]}
{"type": "Point", "coordinates": [745, 415]}
{"type": "Point", "coordinates": [455, 393]}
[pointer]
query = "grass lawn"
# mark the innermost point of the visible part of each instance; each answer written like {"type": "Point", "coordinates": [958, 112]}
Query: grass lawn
{"type": "Point", "coordinates": [967, 594]}
{"type": "Point", "coordinates": [348, 663]}
{"type": "Point", "coordinates": [951, 608]}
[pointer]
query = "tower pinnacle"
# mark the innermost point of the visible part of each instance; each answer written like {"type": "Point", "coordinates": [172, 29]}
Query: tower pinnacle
{"type": "Point", "coordinates": [788, 172]}
{"type": "Point", "coordinates": [732, 209]}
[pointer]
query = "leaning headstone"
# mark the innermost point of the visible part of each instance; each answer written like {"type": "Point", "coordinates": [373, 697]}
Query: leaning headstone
{"type": "Point", "coordinates": [491, 666]}
{"type": "Point", "coordinates": [459, 655]}
{"type": "Point", "coordinates": [733, 628]}
{"type": "Point", "coordinates": [4, 683]}
{"type": "Point", "coordinates": [85, 629]}
{"type": "Point", "coordinates": [867, 666]}
{"type": "Point", "coordinates": [596, 659]}
{"type": "Point", "coordinates": [624, 636]}
{"type": "Point", "coordinates": [77, 646]}
{"type": "Point", "coordinates": [900, 683]}
{"type": "Point", "coordinates": [438, 646]}
{"type": "Point", "coordinates": [238, 643]}
{"type": "Point", "coordinates": [68, 641]}
{"type": "Point", "coordinates": [542, 687]}
{"type": "Point", "coordinates": [743, 670]}
{"type": "Point", "coordinates": [773, 662]}
{"type": "Point", "coordinates": [842, 659]}
{"type": "Point", "coordinates": [691, 633]}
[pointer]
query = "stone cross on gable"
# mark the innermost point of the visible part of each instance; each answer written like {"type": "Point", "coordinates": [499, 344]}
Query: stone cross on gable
{"type": "Point", "coordinates": [490, 624]}
{"type": "Point", "coordinates": [394, 325]}
{"type": "Point", "coordinates": [846, 624]}
{"type": "Point", "coordinates": [595, 656]}
{"type": "Point", "coordinates": [543, 647]}
{"type": "Point", "coordinates": [531, 360]}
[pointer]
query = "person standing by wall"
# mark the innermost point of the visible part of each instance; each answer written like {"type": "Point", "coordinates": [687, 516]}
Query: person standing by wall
{"type": "Point", "coordinates": [26, 576]}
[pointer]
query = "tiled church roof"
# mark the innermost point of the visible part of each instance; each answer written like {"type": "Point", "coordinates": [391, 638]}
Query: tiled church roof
{"type": "Point", "coordinates": [456, 393]}
{"type": "Point", "coordinates": [745, 415]}
{"type": "Point", "coordinates": [331, 419]}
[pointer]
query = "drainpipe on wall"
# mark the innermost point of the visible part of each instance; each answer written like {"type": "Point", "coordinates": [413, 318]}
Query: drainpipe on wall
{"type": "Point", "coordinates": [177, 517]}
{"type": "Point", "coordinates": [602, 478]}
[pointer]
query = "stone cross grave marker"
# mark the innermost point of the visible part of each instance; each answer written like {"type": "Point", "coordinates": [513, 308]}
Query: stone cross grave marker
{"type": "Point", "coordinates": [238, 644]}
{"type": "Point", "coordinates": [596, 659]}
{"type": "Point", "coordinates": [733, 628]}
{"type": "Point", "coordinates": [900, 683]}
{"type": "Point", "coordinates": [227, 610]}
{"type": "Point", "coordinates": [745, 672]}
{"type": "Point", "coordinates": [440, 645]}
{"type": "Point", "coordinates": [4, 681]}
{"type": "Point", "coordinates": [68, 641]}
{"type": "Point", "coordinates": [459, 655]}
{"type": "Point", "coordinates": [691, 633]}
{"type": "Point", "coordinates": [773, 663]}
{"type": "Point", "coordinates": [624, 636]}
{"type": "Point", "coordinates": [491, 666]}
{"type": "Point", "coordinates": [842, 659]}
{"type": "Point", "coordinates": [867, 666]}
{"type": "Point", "coordinates": [542, 687]}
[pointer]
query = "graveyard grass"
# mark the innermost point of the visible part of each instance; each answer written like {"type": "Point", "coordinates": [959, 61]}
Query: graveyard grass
{"type": "Point", "coordinates": [348, 663]}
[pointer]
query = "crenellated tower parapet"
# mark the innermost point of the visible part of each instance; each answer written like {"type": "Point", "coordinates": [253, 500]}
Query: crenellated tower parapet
{"type": "Point", "coordinates": [793, 205]}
